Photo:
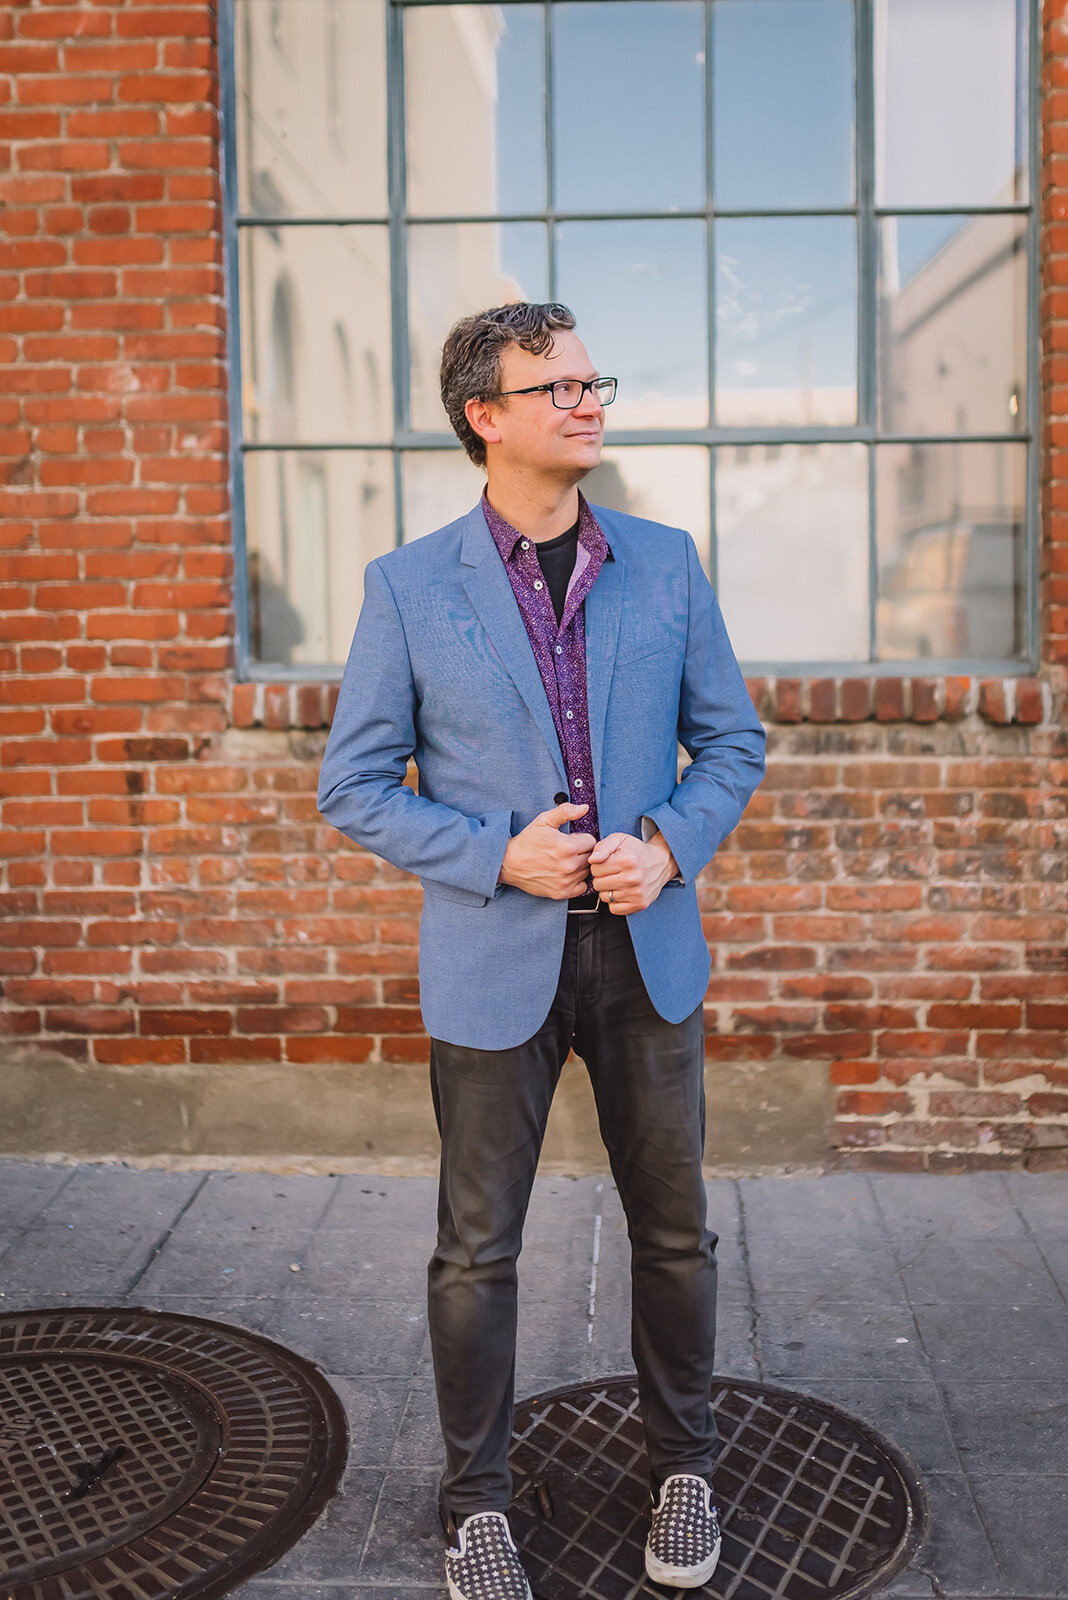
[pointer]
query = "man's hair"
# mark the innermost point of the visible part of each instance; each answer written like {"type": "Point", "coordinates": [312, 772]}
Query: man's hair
{"type": "Point", "coordinates": [471, 358]}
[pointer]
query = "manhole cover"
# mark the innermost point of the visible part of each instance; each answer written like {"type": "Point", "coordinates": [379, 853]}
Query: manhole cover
{"type": "Point", "coordinates": [813, 1503]}
{"type": "Point", "coordinates": [143, 1452]}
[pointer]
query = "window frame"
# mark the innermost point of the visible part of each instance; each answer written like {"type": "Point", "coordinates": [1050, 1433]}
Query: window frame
{"type": "Point", "coordinates": [863, 209]}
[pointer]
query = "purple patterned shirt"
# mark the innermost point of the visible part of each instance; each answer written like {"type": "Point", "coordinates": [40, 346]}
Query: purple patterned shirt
{"type": "Point", "coordinates": [560, 651]}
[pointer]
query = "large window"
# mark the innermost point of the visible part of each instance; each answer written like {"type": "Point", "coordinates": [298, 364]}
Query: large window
{"type": "Point", "coordinates": [800, 232]}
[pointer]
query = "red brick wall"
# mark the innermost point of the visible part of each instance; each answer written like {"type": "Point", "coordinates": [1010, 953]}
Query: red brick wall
{"type": "Point", "coordinates": [893, 909]}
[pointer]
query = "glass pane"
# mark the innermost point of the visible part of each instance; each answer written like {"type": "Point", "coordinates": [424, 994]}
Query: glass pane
{"type": "Point", "coordinates": [639, 292]}
{"type": "Point", "coordinates": [953, 324]}
{"type": "Point", "coordinates": [315, 348]}
{"type": "Point", "coordinates": [667, 483]}
{"type": "Point", "coordinates": [455, 269]}
{"type": "Point", "coordinates": [950, 523]}
{"type": "Point", "coordinates": [314, 519]}
{"type": "Point", "coordinates": [786, 321]}
{"type": "Point", "coordinates": [950, 102]}
{"type": "Point", "coordinates": [792, 550]}
{"type": "Point", "coordinates": [439, 486]}
{"type": "Point", "coordinates": [783, 102]}
{"type": "Point", "coordinates": [628, 105]}
{"type": "Point", "coordinates": [474, 81]}
{"type": "Point", "coordinates": [311, 107]}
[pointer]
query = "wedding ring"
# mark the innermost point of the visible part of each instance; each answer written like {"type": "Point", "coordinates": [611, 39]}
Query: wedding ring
{"type": "Point", "coordinates": [611, 896]}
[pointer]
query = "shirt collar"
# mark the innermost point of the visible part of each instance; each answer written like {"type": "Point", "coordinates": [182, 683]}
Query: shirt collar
{"type": "Point", "coordinates": [506, 538]}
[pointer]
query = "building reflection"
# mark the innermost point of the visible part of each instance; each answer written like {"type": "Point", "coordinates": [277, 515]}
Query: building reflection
{"type": "Point", "coordinates": [792, 541]}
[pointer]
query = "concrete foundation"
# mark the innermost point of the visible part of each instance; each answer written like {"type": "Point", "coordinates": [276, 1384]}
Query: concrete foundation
{"type": "Point", "coordinates": [376, 1116]}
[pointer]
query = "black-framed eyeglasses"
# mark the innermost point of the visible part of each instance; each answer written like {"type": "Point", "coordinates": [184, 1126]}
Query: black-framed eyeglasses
{"type": "Point", "coordinates": [567, 393]}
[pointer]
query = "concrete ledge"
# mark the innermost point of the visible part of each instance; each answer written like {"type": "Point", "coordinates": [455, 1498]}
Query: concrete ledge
{"type": "Point", "coordinates": [375, 1116]}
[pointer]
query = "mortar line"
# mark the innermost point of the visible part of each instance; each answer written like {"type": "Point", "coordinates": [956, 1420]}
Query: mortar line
{"type": "Point", "coordinates": [873, 1190]}
{"type": "Point", "coordinates": [595, 1257]}
{"type": "Point", "coordinates": [743, 1247]}
{"type": "Point", "coordinates": [42, 1208]}
{"type": "Point", "coordinates": [328, 1203]}
{"type": "Point", "coordinates": [1034, 1240]}
{"type": "Point", "coordinates": [391, 1467]}
{"type": "Point", "coordinates": [164, 1238]}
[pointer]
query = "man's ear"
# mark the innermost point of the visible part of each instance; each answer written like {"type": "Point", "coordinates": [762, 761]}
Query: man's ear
{"type": "Point", "coordinates": [480, 415]}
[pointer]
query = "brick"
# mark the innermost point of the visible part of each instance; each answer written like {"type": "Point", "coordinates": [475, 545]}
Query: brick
{"type": "Point", "coordinates": [871, 1102]}
{"type": "Point", "coordinates": [117, 186]}
{"type": "Point", "coordinates": [894, 904]}
{"type": "Point", "coordinates": [232, 1049]}
{"type": "Point", "coordinates": [110, 56]}
{"type": "Point", "coordinates": [850, 1072]}
{"type": "Point", "coordinates": [184, 1022]}
{"type": "Point", "coordinates": [993, 700]}
{"type": "Point", "coordinates": [139, 1052]}
{"type": "Point", "coordinates": [109, 122]}
{"type": "Point", "coordinates": [64, 155]}
{"type": "Point", "coordinates": [163, 22]}
{"type": "Point", "coordinates": [1029, 707]}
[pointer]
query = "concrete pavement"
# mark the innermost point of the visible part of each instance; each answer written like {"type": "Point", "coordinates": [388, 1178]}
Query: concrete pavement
{"type": "Point", "coordinates": [934, 1307]}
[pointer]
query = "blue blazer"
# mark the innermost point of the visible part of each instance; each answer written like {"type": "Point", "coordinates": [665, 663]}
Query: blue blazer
{"type": "Point", "coordinates": [441, 669]}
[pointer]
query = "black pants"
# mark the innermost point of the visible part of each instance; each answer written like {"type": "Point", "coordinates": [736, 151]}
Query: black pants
{"type": "Point", "coordinates": [491, 1107]}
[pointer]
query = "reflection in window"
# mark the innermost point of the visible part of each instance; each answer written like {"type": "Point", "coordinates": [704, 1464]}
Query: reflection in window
{"type": "Point", "coordinates": [303, 148]}
{"type": "Point", "coordinates": [668, 483]}
{"type": "Point", "coordinates": [950, 124]}
{"type": "Point", "coordinates": [639, 291]}
{"type": "Point", "coordinates": [792, 553]}
{"type": "Point", "coordinates": [282, 366]}
{"type": "Point", "coordinates": [629, 105]}
{"type": "Point", "coordinates": [564, 150]}
{"type": "Point", "coordinates": [335, 278]}
{"type": "Point", "coordinates": [315, 518]}
{"type": "Point", "coordinates": [477, 148]}
{"type": "Point", "coordinates": [439, 485]}
{"type": "Point", "coordinates": [951, 550]}
{"type": "Point", "coordinates": [784, 102]}
{"type": "Point", "coordinates": [952, 324]}
{"type": "Point", "coordinates": [456, 268]}
{"type": "Point", "coordinates": [786, 321]}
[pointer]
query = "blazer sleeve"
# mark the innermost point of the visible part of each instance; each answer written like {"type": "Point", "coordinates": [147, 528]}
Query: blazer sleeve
{"type": "Point", "coordinates": [361, 781]}
{"type": "Point", "coordinates": [718, 728]}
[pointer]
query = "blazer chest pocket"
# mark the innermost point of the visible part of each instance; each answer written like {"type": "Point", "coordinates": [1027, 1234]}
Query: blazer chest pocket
{"type": "Point", "coordinates": [644, 650]}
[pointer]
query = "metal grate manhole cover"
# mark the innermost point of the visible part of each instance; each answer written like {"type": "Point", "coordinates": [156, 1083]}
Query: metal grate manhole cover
{"type": "Point", "coordinates": [143, 1452]}
{"type": "Point", "coordinates": [813, 1503]}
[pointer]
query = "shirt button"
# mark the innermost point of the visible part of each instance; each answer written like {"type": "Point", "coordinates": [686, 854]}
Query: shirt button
{"type": "Point", "coordinates": [538, 584]}
{"type": "Point", "coordinates": [524, 544]}
{"type": "Point", "coordinates": [569, 715]}
{"type": "Point", "coordinates": [559, 649]}
{"type": "Point", "coordinates": [578, 783]}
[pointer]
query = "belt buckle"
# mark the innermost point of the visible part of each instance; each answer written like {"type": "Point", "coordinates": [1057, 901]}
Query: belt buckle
{"type": "Point", "coordinates": [586, 911]}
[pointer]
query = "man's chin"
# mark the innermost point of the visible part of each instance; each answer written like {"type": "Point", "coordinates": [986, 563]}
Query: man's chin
{"type": "Point", "coordinates": [585, 461]}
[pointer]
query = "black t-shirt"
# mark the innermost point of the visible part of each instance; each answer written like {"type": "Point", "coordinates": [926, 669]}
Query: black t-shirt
{"type": "Point", "coordinates": [557, 560]}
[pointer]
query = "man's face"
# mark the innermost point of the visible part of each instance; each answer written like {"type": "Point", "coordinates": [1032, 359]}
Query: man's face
{"type": "Point", "coordinates": [537, 436]}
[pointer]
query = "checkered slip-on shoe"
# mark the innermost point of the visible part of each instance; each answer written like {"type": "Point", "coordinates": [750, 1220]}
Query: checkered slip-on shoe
{"type": "Point", "coordinates": [483, 1564]}
{"type": "Point", "coordinates": [683, 1544]}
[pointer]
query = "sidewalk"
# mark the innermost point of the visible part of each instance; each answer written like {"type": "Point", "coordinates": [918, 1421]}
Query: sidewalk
{"type": "Point", "coordinates": [935, 1307]}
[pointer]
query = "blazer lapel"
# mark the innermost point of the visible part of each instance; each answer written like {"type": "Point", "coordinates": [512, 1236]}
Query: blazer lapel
{"type": "Point", "coordinates": [490, 593]}
{"type": "Point", "coordinates": [603, 606]}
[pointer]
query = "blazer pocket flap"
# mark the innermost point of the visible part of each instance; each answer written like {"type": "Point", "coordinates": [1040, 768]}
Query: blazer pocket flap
{"type": "Point", "coordinates": [446, 891]}
{"type": "Point", "coordinates": [643, 650]}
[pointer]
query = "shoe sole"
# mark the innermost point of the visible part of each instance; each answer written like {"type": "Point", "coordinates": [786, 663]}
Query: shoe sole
{"type": "Point", "coordinates": [675, 1577]}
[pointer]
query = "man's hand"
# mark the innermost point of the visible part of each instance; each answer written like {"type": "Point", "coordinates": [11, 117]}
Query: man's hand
{"type": "Point", "coordinates": [633, 870]}
{"type": "Point", "coordinates": [546, 862]}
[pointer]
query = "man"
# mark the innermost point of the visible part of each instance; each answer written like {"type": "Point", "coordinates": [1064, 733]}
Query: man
{"type": "Point", "coordinates": [542, 659]}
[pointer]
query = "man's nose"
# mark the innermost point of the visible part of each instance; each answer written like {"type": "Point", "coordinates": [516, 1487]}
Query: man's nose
{"type": "Point", "coordinates": [590, 404]}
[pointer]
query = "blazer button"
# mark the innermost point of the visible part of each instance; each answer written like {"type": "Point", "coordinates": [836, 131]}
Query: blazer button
{"type": "Point", "coordinates": [559, 799]}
